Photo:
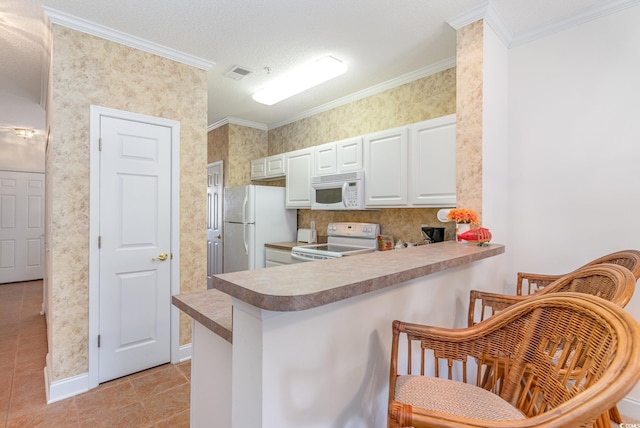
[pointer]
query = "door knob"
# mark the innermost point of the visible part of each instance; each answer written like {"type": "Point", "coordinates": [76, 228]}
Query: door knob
{"type": "Point", "coordinates": [218, 236]}
{"type": "Point", "coordinates": [162, 257]}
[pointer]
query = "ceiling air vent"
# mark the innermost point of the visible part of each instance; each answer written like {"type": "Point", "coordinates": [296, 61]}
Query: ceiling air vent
{"type": "Point", "coordinates": [238, 72]}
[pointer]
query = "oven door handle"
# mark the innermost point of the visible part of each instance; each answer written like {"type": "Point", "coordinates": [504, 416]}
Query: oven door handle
{"type": "Point", "coordinates": [302, 258]}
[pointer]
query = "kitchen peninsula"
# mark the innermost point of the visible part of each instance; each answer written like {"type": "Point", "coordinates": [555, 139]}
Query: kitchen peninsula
{"type": "Point", "coordinates": [308, 344]}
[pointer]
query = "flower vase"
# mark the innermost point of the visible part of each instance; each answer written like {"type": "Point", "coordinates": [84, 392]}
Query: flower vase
{"type": "Point", "coordinates": [460, 229]}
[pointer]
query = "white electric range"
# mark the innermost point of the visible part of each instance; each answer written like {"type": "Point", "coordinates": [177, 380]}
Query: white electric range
{"type": "Point", "coordinates": [343, 239]}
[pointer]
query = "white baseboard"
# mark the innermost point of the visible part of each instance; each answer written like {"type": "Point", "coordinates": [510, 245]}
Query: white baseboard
{"type": "Point", "coordinates": [64, 388]}
{"type": "Point", "coordinates": [630, 408]}
{"type": "Point", "coordinates": [75, 385]}
{"type": "Point", "coordinates": [184, 353]}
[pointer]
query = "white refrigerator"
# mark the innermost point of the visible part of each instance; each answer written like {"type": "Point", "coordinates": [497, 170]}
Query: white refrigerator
{"type": "Point", "coordinates": [253, 216]}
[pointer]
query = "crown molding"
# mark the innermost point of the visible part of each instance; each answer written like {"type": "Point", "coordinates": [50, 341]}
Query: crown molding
{"type": "Point", "coordinates": [498, 24]}
{"type": "Point", "coordinates": [89, 27]}
{"type": "Point", "coordinates": [373, 90]}
{"type": "Point", "coordinates": [490, 14]}
{"type": "Point", "coordinates": [237, 121]}
{"type": "Point", "coordinates": [587, 15]}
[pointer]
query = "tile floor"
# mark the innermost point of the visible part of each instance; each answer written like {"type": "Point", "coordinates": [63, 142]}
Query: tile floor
{"type": "Point", "coordinates": [158, 397]}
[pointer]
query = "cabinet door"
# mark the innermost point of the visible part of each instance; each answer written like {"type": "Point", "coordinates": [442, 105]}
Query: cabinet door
{"type": "Point", "coordinates": [324, 161]}
{"type": "Point", "coordinates": [275, 166]}
{"type": "Point", "coordinates": [385, 165]}
{"type": "Point", "coordinates": [299, 165]}
{"type": "Point", "coordinates": [259, 169]}
{"type": "Point", "coordinates": [275, 257]}
{"type": "Point", "coordinates": [432, 169]}
{"type": "Point", "coordinates": [349, 154]}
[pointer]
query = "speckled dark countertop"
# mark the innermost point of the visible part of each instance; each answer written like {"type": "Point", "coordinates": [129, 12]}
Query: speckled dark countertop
{"type": "Point", "coordinates": [211, 308]}
{"type": "Point", "coordinates": [290, 245]}
{"type": "Point", "coordinates": [284, 245]}
{"type": "Point", "coordinates": [308, 285]}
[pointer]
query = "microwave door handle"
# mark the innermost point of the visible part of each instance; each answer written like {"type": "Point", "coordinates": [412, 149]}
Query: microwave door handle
{"type": "Point", "coordinates": [345, 186]}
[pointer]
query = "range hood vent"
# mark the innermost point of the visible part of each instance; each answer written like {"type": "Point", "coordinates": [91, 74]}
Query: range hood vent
{"type": "Point", "coordinates": [237, 72]}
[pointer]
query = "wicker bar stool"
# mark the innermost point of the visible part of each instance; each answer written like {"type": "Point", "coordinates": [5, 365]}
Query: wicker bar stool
{"type": "Point", "coordinates": [532, 282]}
{"type": "Point", "coordinates": [598, 366]}
{"type": "Point", "coordinates": [616, 283]}
{"type": "Point", "coordinates": [609, 281]}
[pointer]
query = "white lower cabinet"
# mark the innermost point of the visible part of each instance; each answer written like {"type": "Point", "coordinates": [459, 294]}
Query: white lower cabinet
{"type": "Point", "coordinates": [276, 257]}
{"type": "Point", "coordinates": [299, 167]}
{"type": "Point", "coordinates": [432, 165]}
{"type": "Point", "coordinates": [385, 165]}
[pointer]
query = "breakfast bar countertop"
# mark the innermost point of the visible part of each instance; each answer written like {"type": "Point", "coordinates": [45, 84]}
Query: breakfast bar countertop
{"type": "Point", "coordinates": [211, 308]}
{"type": "Point", "coordinates": [308, 285]}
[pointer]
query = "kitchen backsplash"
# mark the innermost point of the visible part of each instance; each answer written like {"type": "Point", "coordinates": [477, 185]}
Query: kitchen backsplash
{"type": "Point", "coordinates": [401, 223]}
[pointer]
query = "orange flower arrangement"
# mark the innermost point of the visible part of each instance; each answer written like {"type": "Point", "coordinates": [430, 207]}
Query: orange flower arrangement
{"type": "Point", "coordinates": [462, 215]}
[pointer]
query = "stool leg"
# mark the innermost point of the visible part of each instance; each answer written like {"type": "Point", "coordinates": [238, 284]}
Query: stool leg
{"type": "Point", "coordinates": [614, 415]}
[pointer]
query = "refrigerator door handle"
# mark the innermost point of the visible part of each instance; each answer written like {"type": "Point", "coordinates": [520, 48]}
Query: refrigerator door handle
{"type": "Point", "coordinates": [244, 206]}
{"type": "Point", "coordinates": [244, 238]}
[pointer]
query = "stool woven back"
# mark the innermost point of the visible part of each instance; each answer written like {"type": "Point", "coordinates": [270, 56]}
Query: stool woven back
{"type": "Point", "coordinates": [567, 358]}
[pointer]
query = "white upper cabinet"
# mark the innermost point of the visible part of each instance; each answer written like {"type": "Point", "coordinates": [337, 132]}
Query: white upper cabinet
{"type": "Point", "coordinates": [432, 165]}
{"type": "Point", "coordinates": [324, 160]}
{"type": "Point", "coordinates": [299, 167]}
{"type": "Point", "coordinates": [275, 166]}
{"type": "Point", "coordinates": [349, 154]}
{"type": "Point", "coordinates": [408, 166]}
{"type": "Point", "coordinates": [269, 168]}
{"type": "Point", "coordinates": [338, 157]}
{"type": "Point", "coordinates": [385, 165]}
{"type": "Point", "coordinates": [259, 169]}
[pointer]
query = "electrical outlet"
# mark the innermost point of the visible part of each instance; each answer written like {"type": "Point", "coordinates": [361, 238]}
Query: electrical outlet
{"type": "Point", "coordinates": [312, 224]}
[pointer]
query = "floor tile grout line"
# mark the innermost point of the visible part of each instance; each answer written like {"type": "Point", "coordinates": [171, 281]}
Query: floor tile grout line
{"type": "Point", "coordinates": [20, 299]}
{"type": "Point", "coordinates": [144, 407]}
{"type": "Point", "coordinates": [13, 372]}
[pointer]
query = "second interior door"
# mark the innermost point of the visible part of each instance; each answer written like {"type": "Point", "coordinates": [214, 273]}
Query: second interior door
{"type": "Point", "coordinates": [135, 235]}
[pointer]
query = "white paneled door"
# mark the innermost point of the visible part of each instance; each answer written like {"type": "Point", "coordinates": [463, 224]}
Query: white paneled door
{"type": "Point", "coordinates": [21, 226]}
{"type": "Point", "coordinates": [214, 221]}
{"type": "Point", "coordinates": [135, 243]}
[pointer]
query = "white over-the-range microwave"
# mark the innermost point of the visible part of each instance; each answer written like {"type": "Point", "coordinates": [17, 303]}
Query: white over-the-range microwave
{"type": "Point", "coordinates": [338, 191]}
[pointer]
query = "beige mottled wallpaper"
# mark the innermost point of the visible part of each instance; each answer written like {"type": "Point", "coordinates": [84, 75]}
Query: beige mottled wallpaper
{"type": "Point", "coordinates": [245, 144]}
{"type": "Point", "coordinates": [89, 70]}
{"type": "Point", "coordinates": [423, 99]}
{"type": "Point", "coordinates": [469, 60]}
{"type": "Point", "coordinates": [401, 223]}
{"type": "Point", "coordinates": [237, 145]}
{"type": "Point", "coordinates": [426, 98]}
{"type": "Point", "coordinates": [218, 144]}
{"type": "Point", "coordinates": [218, 149]}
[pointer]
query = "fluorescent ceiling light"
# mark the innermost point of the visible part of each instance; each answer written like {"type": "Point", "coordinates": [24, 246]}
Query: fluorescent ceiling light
{"type": "Point", "coordinates": [24, 133]}
{"type": "Point", "coordinates": [300, 80]}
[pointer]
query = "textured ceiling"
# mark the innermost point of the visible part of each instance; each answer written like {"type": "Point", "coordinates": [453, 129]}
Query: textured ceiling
{"type": "Point", "coordinates": [380, 40]}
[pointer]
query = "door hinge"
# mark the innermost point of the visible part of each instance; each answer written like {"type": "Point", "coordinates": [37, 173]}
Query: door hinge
{"type": "Point", "coordinates": [100, 144]}
{"type": "Point", "coordinates": [99, 242]}
{"type": "Point", "coordinates": [98, 341]}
